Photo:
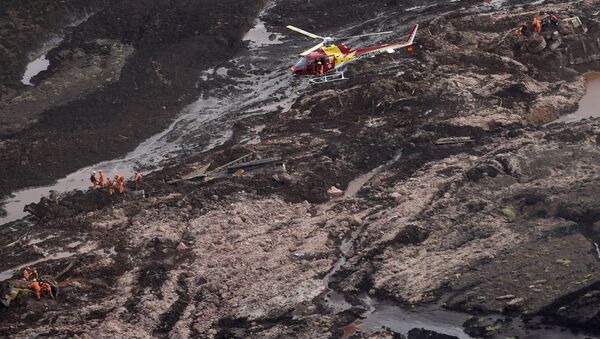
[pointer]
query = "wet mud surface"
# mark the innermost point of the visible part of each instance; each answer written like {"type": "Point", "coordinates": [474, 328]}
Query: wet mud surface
{"type": "Point", "coordinates": [371, 229]}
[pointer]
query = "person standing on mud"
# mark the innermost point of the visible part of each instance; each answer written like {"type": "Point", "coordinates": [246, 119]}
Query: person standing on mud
{"type": "Point", "coordinates": [94, 181]}
{"type": "Point", "coordinates": [35, 286]}
{"type": "Point", "coordinates": [110, 186]}
{"type": "Point", "coordinates": [138, 179]}
{"type": "Point", "coordinates": [121, 182]}
{"type": "Point", "coordinates": [101, 179]}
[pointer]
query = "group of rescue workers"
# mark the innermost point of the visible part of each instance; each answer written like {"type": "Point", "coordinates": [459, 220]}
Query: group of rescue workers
{"type": "Point", "coordinates": [39, 285]}
{"type": "Point", "coordinates": [539, 24]}
{"type": "Point", "coordinates": [98, 182]}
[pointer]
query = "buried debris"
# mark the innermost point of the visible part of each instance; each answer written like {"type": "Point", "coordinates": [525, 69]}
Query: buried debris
{"type": "Point", "coordinates": [453, 140]}
{"type": "Point", "coordinates": [235, 168]}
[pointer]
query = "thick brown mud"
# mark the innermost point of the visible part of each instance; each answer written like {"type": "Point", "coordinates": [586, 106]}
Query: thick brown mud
{"type": "Point", "coordinates": [495, 236]}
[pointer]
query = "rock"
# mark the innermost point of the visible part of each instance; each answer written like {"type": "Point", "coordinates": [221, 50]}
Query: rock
{"type": "Point", "coordinates": [335, 192]}
{"type": "Point", "coordinates": [301, 211]}
{"type": "Point", "coordinates": [489, 168]}
{"type": "Point", "coordinates": [37, 250]}
{"type": "Point", "coordinates": [505, 297]}
{"type": "Point", "coordinates": [515, 304]}
{"type": "Point", "coordinates": [355, 221]}
{"type": "Point", "coordinates": [214, 197]}
{"type": "Point", "coordinates": [536, 44]}
{"type": "Point", "coordinates": [181, 247]}
{"type": "Point", "coordinates": [398, 198]}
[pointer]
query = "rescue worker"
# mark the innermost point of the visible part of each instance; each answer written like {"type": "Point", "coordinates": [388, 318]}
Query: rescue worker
{"type": "Point", "coordinates": [101, 179]}
{"type": "Point", "coordinates": [94, 181]}
{"type": "Point", "coordinates": [35, 275]}
{"type": "Point", "coordinates": [521, 30]}
{"type": "Point", "coordinates": [121, 183]}
{"type": "Point", "coordinates": [320, 68]}
{"type": "Point", "coordinates": [138, 179]}
{"type": "Point", "coordinates": [27, 274]}
{"type": "Point", "coordinates": [35, 286]}
{"type": "Point", "coordinates": [47, 289]}
{"type": "Point", "coordinates": [537, 25]}
{"type": "Point", "coordinates": [110, 186]}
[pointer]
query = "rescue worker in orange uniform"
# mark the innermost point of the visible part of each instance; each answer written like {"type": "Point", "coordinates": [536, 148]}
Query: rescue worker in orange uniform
{"type": "Point", "coordinates": [47, 290]}
{"type": "Point", "coordinates": [35, 275]}
{"type": "Point", "coordinates": [101, 179]}
{"type": "Point", "coordinates": [110, 186]}
{"type": "Point", "coordinates": [36, 289]}
{"type": "Point", "coordinates": [138, 177]}
{"type": "Point", "coordinates": [94, 181]}
{"type": "Point", "coordinates": [537, 25]}
{"type": "Point", "coordinates": [27, 274]}
{"type": "Point", "coordinates": [121, 182]}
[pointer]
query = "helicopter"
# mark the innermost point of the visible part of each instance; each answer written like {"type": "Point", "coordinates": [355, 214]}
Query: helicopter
{"type": "Point", "coordinates": [324, 61]}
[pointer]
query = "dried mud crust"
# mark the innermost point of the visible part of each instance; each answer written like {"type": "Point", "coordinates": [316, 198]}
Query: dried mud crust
{"type": "Point", "coordinates": [246, 257]}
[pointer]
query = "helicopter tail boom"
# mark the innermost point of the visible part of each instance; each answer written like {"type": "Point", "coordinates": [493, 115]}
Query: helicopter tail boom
{"type": "Point", "coordinates": [390, 48]}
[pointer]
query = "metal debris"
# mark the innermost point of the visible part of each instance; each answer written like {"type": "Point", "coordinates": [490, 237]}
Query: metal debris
{"type": "Point", "coordinates": [453, 140]}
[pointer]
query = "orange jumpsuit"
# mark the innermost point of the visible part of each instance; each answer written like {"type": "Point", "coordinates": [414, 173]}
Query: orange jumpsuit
{"type": "Point", "coordinates": [537, 24]}
{"type": "Point", "coordinates": [101, 179]}
{"type": "Point", "coordinates": [110, 186]}
{"type": "Point", "coordinates": [138, 177]}
{"type": "Point", "coordinates": [121, 183]}
{"type": "Point", "coordinates": [26, 275]}
{"type": "Point", "coordinates": [36, 289]}
{"type": "Point", "coordinates": [47, 290]}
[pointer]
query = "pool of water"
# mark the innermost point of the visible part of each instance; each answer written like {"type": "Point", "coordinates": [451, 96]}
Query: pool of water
{"type": "Point", "coordinates": [589, 106]}
{"type": "Point", "coordinates": [34, 68]}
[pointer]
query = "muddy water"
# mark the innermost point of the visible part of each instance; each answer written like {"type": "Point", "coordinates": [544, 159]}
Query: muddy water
{"type": "Point", "coordinates": [589, 106]}
{"type": "Point", "coordinates": [386, 315]}
{"type": "Point", "coordinates": [38, 61]}
{"type": "Point", "coordinates": [381, 314]}
{"type": "Point", "coordinates": [34, 68]}
{"type": "Point", "coordinates": [259, 36]}
{"type": "Point", "coordinates": [203, 125]}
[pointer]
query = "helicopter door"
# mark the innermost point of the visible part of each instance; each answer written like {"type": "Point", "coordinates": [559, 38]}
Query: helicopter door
{"type": "Point", "coordinates": [311, 67]}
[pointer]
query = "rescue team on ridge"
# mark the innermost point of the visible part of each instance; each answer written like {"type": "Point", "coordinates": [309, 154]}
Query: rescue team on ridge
{"type": "Point", "coordinates": [39, 286]}
{"type": "Point", "coordinates": [99, 183]}
{"type": "Point", "coordinates": [539, 24]}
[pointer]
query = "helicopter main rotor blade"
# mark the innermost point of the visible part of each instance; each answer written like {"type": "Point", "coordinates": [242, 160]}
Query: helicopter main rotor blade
{"type": "Point", "coordinates": [301, 31]}
{"type": "Point", "coordinates": [307, 52]}
{"type": "Point", "coordinates": [363, 35]}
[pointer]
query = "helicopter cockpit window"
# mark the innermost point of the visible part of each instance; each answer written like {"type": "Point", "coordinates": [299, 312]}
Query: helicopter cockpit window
{"type": "Point", "coordinates": [300, 64]}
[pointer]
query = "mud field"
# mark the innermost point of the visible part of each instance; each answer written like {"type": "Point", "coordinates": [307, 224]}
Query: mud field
{"type": "Point", "coordinates": [366, 224]}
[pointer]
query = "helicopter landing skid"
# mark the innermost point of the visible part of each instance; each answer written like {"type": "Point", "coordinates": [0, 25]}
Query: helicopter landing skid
{"type": "Point", "coordinates": [337, 76]}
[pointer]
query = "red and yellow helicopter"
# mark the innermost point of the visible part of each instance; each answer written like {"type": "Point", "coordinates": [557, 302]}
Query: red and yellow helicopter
{"type": "Point", "coordinates": [324, 60]}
